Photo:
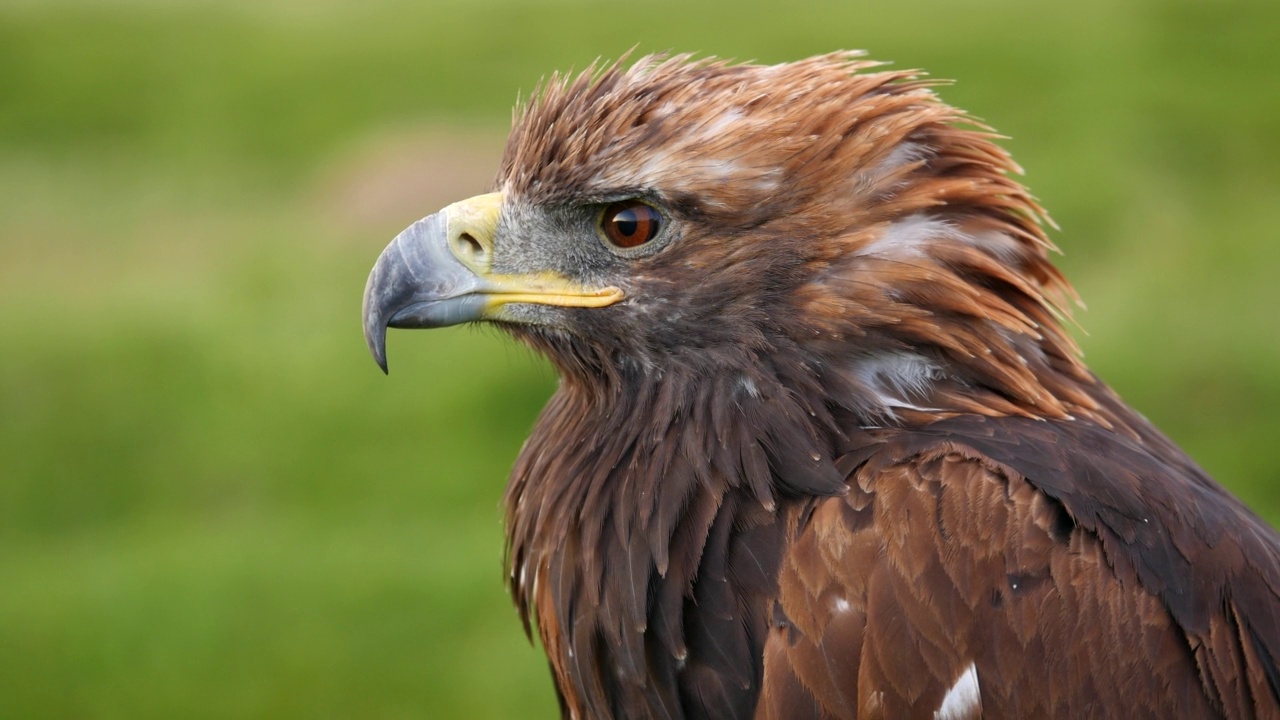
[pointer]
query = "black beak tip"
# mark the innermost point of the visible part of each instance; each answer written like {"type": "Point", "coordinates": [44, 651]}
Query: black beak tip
{"type": "Point", "coordinates": [380, 355]}
{"type": "Point", "coordinates": [374, 320]}
{"type": "Point", "coordinates": [375, 336]}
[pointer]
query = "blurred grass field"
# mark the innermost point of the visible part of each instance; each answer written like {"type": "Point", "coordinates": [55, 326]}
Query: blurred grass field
{"type": "Point", "coordinates": [213, 505]}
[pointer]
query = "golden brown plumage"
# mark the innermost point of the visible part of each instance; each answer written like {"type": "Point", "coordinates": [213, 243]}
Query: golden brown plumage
{"type": "Point", "coordinates": [822, 446]}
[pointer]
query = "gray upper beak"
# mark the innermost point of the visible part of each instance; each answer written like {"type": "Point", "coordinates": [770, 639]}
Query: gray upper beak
{"type": "Point", "coordinates": [418, 283]}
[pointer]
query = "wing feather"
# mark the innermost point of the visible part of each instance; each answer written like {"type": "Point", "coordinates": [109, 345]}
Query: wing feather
{"type": "Point", "coordinates": [1061, 580]}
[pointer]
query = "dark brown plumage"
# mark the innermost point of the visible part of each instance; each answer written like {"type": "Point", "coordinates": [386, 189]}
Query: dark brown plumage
{"type": "Point", "coordinates": [822, 447]}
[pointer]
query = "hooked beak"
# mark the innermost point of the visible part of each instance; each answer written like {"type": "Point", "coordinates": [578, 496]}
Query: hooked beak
{"type": "Point", "coordinates": [438, 273]}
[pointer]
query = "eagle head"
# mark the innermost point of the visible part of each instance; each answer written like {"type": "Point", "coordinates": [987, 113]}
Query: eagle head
{"type": "Point", "coordinates": [703, 218]}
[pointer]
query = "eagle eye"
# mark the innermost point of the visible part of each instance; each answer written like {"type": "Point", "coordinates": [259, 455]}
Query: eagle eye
{"type": "Point", "coordinates": [630, 223]}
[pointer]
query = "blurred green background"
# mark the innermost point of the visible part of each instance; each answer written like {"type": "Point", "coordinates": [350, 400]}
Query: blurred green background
{"type": "Point", "coordinates": [213, 505]}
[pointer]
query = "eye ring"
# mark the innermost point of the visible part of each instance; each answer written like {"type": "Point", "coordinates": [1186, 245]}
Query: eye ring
{"type": "Point", "coordinates": [629, 224]}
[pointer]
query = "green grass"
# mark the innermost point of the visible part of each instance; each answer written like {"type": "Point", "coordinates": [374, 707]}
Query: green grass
{"type": "Point", "coordinates": [213, 505]}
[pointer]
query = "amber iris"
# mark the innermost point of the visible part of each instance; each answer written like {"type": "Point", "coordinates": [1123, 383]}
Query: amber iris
{"type": "Point", "coordinates": [630, 223]}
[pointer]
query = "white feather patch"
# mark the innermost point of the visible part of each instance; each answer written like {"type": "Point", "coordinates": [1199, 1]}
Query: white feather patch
{"type": "Point", "coordinates": [897, 379]}
{"type": "Point", "coordinates": [963, 700]}
{"type": "Point", "coordinates": [902, 155]}
{"type": "Point", "coordinates": [910, 236]}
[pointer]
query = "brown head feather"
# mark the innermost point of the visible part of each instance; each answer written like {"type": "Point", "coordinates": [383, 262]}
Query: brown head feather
{"type": "Point", "coordinates": [891, 217]}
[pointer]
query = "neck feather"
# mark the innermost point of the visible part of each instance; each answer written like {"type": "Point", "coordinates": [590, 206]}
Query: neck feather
{"type": "Point", "coordinates": [607, 532]}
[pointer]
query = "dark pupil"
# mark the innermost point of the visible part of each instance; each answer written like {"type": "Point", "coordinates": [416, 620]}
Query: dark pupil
{"type": "Point", "coordinates": [627, 222]}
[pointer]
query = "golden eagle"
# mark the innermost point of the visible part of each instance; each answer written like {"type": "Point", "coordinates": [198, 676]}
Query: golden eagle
{"type": "Point", "coordinates": [822, 447]}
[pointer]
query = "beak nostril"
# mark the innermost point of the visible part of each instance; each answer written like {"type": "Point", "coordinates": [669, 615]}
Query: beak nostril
{"type": "Point", "coordinates": [466, 246]}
